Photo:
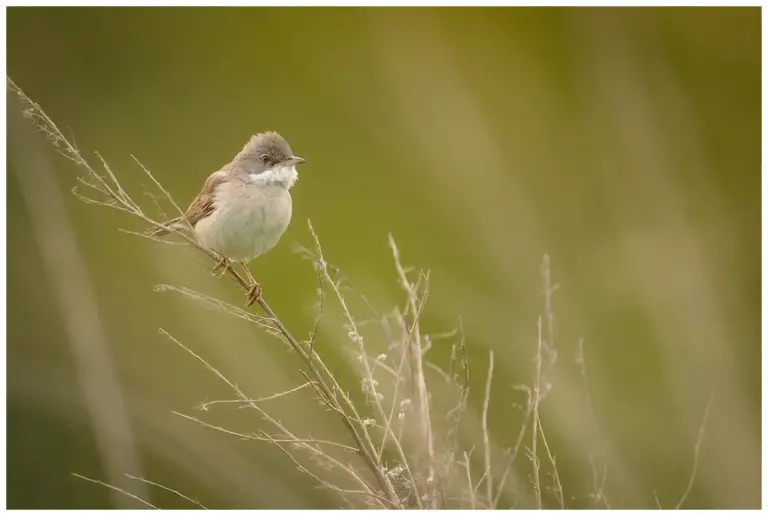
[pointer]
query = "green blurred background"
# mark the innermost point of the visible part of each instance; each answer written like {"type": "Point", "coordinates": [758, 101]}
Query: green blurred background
{"type": "Point", "coordinates": [623, 142]}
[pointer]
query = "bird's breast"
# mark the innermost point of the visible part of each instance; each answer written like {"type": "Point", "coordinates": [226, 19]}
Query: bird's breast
{"type": "Point", "coordinates": [247, 221]}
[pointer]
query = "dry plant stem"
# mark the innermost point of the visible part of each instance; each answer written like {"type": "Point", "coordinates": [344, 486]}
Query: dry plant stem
{"type": "Point", "coordinates": [516, 449]}
{"type": "Point", "coordinates": [388, 427]}
{"type": "Point", "coordinates": [486, 439]}
{"type": "Point", "coordinates": [293, 440]}
{"type": "Point", "coordinates": [366, 447]}
{"type": "Point", "coordinates": [170, 490]}
{"type": "Point", "coordinates": [546, 272]}
{"type": "Point", "coordinates": [456, 412]}
{"type": "Point", "coordinates": [345, 279]}
{"type": "Point", "coordinates": [266, 416]}
{"type": "Point", "coordinates": [598, 487]}
{"type": "Point", "coordinates": [696, 452]}
{"type": "Point", "coordinates": [557, 487]}
{"type": "Point", "coordinates": [116, 197]}
{"type": "Point", "coordinates": [472, 498]}
{"type": "Point", "coordinates": [535, 415]}
{"type": "Point", "coordinates": [162, 189]}
{"type": "Point", "coordinates": [385, 503]}
{"type": "Point", "coordinates": [414, 344]}
{"type": "Point", "coordinates": [260, 321]}
{"type": "Point", "coordinates": [549, 347]}
{"type": "Point", "coordinates": [322, 266]}
{"type": "Point", "coordinates": [205, 405]}
{"type": "Point", "coordinates": [116, 489]}
{"type": "Point", "coordinates": [320, 307]}
{"type": "Point", "coordinates": [539, 385]}
{"type": "Point", "coordinates": [397, 439]}
{"type": "Point", "coordinates": [323, 269]}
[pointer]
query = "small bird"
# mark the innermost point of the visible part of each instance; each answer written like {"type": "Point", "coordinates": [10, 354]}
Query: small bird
{"type": "Point", "coordinates": [245, 207]}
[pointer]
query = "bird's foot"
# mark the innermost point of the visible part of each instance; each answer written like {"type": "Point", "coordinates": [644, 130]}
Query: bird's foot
{"type": "Point", "coordinates": [253, 294]}
{"type": "Point", "coordinates": [221, 268]}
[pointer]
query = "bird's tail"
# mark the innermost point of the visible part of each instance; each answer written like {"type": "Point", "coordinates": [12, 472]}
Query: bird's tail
{"type": "Point", "coordinates": [176, 223]}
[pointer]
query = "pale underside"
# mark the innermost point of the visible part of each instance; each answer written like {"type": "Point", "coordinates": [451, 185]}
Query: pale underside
{"type": "Point", "coordinates": [248, 217]}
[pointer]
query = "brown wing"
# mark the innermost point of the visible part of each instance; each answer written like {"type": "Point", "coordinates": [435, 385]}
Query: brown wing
{"type": "Point", "coordinates": [202, 205]}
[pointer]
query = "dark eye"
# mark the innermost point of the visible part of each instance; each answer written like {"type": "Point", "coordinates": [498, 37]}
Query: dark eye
{"type": "Point", "coordinates": [264, 158]}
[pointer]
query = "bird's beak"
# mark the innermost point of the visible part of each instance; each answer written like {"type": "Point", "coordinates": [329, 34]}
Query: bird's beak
{"type": "Point", "coordinates": [293, 160]}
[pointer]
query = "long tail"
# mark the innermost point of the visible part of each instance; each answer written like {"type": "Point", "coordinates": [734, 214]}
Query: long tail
{"type": "Point", "coordinates": [158, 232]}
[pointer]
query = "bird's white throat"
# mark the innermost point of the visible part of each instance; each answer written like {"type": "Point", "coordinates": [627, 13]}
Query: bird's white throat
{"type": "Point", "coordinates": [283, 176]}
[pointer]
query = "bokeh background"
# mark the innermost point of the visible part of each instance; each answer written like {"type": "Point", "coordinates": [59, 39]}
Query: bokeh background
{"type": "Point", "coordinates": [623, 142]}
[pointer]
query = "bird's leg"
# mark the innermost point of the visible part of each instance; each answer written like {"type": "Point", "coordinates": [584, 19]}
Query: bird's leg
{"type": "Point", "coordinates": [254, 292]}
{"type": "Point", "coordinates": [221, 267]}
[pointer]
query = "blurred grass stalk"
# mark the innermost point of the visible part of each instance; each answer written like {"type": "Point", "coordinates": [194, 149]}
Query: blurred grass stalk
{"type": "Point", "coordinates": [402, 461]}
{"type": "Point", "coordinates": [69, 284]}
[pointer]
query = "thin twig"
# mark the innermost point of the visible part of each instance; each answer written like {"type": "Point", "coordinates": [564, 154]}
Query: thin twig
{"type": "Point", "coordinates": [414, 345]}
{"type": "Point", "coordinates": [385, 503]}
{"type": "Point", "coordinates": [321, 306]}
{"type": "Point", "coordinates": [161, 188]}
{"type": "Point", "coordinates": [117, 489]}
{"type": "Point", "coordinates": [598, 487]}
{"type": "Point", "coordinates": [174, 491]}
{"type": "Point", "coordinates": [205, 405]}
{"type": "Point", "coordinates": [518, 443]}
{"type": "Point", "coordinates": [535, 415]}
{"type": "Point", "coordinates": [557, 486]}
{"type": "Point", "coordinates": [364, 359]}
{"type": "Point", "coordinates": [486, 439]}
{"type": "Point", "coordinates": [263, 413]}
{"type": "Point", "coordinates": [366, 448]}
{"type": "Point", "coordinates": [219, 305]}
{"type": "Point", "coordinates": [696, 452]}
{"type": "Point", "coordinates": [656, 499]}
{"type": "Point", "coordinates": [294, 440]}
{"type": "Point", "coordinates": [145, 235]}
{"type": "Point", "coordinates": [472, 498]}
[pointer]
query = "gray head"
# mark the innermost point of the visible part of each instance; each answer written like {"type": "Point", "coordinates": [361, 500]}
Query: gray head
{"type": "Point", "coordinates": [266, 151]}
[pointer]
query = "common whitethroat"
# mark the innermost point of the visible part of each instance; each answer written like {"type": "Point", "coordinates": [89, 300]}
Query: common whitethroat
{"type": "Point", "coordinates": [245, 207]}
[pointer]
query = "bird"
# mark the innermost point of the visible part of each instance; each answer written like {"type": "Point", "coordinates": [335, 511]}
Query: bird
{"type": "Point", "coordinates": [245, 207]}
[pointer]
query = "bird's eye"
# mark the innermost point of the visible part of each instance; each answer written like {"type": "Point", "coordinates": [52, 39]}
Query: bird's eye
{"type": "Point", "coordinates": [264, 158]}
